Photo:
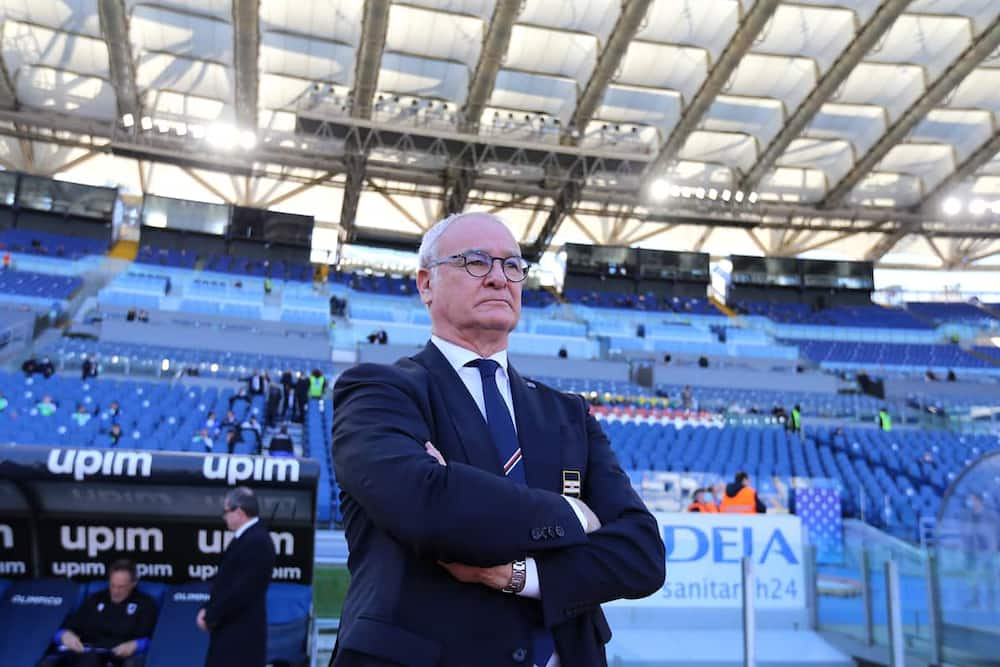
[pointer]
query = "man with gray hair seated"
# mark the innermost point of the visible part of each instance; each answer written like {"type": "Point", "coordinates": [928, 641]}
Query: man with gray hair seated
{"type": "Point", "coordinates": [236, 613]}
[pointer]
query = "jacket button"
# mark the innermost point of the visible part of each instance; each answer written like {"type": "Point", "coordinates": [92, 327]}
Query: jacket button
{"type": "Point", "coordinates": [519, 655]}
{"type": "Point", "coordinates": [559, 531]}
{"type": "Point", "coordinates": [536, 534]}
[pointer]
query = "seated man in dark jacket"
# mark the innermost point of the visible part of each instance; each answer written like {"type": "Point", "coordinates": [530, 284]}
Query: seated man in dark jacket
{"type": "Point", "coordinates": [281, 444]}
{"type": "Point", "coordinates": [111, 627]}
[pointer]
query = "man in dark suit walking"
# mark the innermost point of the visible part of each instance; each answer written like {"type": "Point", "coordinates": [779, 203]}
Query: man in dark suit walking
{"type": "Point", "coordinates": [486, 514]}
{"type": "Point", "coordinates": [236, 615]}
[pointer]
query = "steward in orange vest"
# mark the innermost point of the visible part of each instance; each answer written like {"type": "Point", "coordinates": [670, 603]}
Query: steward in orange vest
{"type": "Point", "coordinates": [699, 504]}
{"type": "Point", "coordinates": [740, 497]}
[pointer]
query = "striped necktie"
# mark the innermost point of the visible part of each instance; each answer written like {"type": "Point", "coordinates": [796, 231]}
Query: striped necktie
{"type": "Point", "coordinates": [508, 448]}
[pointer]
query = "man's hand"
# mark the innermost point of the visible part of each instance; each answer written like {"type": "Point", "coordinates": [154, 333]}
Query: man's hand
{"type": "Point", "coordinates": [593, 523]}
{"type": "Point", "coordinates": [496, 577]}
{"type": "Point", "coordinates": [125, 650]}
{"type": "Point", "coordinates": [432, 450]}
{"type": "Point", "coordinates": [71, 641]}
{"type": "Point", "coordinates": [202, 625]}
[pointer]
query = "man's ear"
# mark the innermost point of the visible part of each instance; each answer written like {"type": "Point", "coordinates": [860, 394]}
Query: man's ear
{"type": "Point", "coordinates": [424, 285]}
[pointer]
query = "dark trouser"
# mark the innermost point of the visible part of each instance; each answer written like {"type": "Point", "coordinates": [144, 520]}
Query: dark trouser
{"type": "Point", "coordinates": [286, 399]}
{"type": "Point", "coordinates": [90, 660]}
{"type": "Point", "coordinates": [299, 413]}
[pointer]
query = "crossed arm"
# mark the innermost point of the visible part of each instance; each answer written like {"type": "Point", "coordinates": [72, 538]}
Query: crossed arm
{"type": "Point", "coordinates": [437, 510]}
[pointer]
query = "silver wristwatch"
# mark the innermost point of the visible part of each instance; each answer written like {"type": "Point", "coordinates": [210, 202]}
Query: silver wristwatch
{"type": "Point", "coordinates": [518, 575]}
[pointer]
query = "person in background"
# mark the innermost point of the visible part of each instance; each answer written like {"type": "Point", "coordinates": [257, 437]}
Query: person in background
{"type": "Point", "coordinates": [884, 419]}
{"type": "Point", "coordinates": [273, 405]}
{"type": "Point", "coordinates": [317, 385]}
{"type": "Point", "coordinates": [89, 369]}
{"type": "Point", "coordinates": [301, 398]}
{"type": "Point", "coordinates": [202, 440]}
{"type": "Point", "coordinates": [111, 627]}
{"type": "Point", "coordinates": [229, 422]}
{"type": "Point", "coordinates": [701, 503]}
{"type": "Point", "coordinates": [741, 498]}
{"type": "Point", "coordinates": [687, 400]}
{"type": "Point", "coordinates": [268, 285]}
{"type": "Point", "coordinates": [240, 395]}
{"type": "Point", "coordinates": [4, 403]}
{"type": "Point", "coordinates": [255, 383]}
{"type": "Point", "coordinates": [115, 412]}
{"type": "Point", "coordinates": [46, 368]}
{"type": "Point", "coordinates": [211, 423]}
{"type": "Point", "coordinates": [562, 352]}
{"type": "Point", "coordinates": [795, 420]}
{"type": "Point", "coordinates": [46, 407]}
{"type": "Point", "coordinates": [235, 615]}
{"type": "Point", "coordinates": [281, 444]}
{"type": "Point", "coordinates": [287, 382]}
{"type": "Point", "coordinates": [81, 416]}
{"type": "Point", "coordinates": [114, 435]}
{"type": "Point", "coordinates": [7, 261]}
{"type": "Point", "coordinates": [232, 439]}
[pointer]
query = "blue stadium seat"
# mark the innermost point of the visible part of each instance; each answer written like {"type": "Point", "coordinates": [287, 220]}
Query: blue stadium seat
{"type": "Point", "coordinates": [288, 611]}
{"type": "Point", "coordinates": [176, 639]}
{"type": "Point", "coordinates": [30, 613]}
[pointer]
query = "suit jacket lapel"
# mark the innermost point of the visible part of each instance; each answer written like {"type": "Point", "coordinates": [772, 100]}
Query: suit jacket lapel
{"type": "Point", "coordinates": [541, 442]}
{"type": "Point", "coordinates": [473, 433]}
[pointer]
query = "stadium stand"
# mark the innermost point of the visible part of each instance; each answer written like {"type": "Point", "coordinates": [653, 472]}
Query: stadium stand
{"type": "Point", "coordinates": [38, 285]}
{"type": "Point", "coordinates": [64, 246]}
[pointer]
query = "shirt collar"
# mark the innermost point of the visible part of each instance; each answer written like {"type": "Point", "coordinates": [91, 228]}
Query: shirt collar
{"type": "Point", "coordinates": [458, 356]}
{"type": "Point", "coordinates": [245, 527]}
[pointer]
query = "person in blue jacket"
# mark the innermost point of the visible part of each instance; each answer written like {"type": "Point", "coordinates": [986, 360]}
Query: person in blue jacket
{"type": "Point", "coordinates": [486, 514]}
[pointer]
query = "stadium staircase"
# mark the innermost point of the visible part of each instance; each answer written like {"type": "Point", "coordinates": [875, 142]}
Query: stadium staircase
{"type": "Point", "coordinates": [126, 250]}
{"type": "Point", "coordinates": [723, 308]}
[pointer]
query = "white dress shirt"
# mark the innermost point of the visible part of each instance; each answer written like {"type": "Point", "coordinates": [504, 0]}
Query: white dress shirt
{"type": "Point", "coordinates": [245, 527]}
{"type": "Point", "coordinates": [458, 357]}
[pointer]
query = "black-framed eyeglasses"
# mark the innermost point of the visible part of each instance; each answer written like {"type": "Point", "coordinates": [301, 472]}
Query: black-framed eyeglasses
{"type": "Point", "coordinates": [227, 510]}
{"type": "Point", "coordinates": [479, 264]}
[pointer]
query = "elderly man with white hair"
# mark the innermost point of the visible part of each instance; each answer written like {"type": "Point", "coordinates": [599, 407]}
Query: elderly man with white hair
{"type": "Point", "coordinates": [486, 514]}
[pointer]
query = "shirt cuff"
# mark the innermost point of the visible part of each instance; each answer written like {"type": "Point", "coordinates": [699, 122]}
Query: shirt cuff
{"type": "Point", "coordinates": [57, 638]}
{"type": "Point", "coordinates": [578, 512]}
{"type": "Point", "coordinates": [141, 645]}
{"type": "Point", "coordinates": [532, 587]}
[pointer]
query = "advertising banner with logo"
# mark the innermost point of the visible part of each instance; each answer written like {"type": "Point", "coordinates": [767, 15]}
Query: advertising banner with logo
{"type": "Point", "coordinates": [162, 551]}
{"type": "Point", "coordinates": [68, 512]}
{"type": "Point", "coordinates": [704, 552]}
{"type": "Point", "coordinates": [15, 548]}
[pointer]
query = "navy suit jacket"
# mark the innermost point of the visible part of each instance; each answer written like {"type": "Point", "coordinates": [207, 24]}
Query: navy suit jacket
{"type": "Point", "coordinates": [404, 512]}
{"type": "Point", "coordinates": [236, 612]}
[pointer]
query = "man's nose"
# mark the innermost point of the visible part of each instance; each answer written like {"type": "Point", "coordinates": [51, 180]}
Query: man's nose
{"type": "Point", "coordinates": [496, 276]}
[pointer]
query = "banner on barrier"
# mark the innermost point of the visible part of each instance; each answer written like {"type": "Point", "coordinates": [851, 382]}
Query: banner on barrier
{"type": "Point", "coordinates": [162, 551]}
{"type": "Point", "coordinates": [704, 552]}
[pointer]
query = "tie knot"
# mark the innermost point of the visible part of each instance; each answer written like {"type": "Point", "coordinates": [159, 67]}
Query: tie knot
{"type": "Point", "coordinates": [487, 367]}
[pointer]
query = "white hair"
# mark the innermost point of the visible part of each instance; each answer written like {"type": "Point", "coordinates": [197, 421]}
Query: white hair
{"type": "Point", "coordinates": [429, 243]}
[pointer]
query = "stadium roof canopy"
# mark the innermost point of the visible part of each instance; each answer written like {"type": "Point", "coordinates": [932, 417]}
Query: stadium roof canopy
{"type": "Point", "coordinates": [841, 128]}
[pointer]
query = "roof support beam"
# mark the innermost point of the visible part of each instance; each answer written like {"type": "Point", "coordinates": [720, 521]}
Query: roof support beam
{"type": "Point", "coordinates": [629, 20]}
{"type": "Point", "coordinates": [864, 40]}
{"type": "Point", "coordinates": [887, 243]}
{"type": "Point", "coordinates": [979, 157]}
{"type": "Point", "coordinates": [114, 27]}
{"type": "Point", "coordinates": [8, 96]}
{"type": "Point", "coordinates": [979, 50]}
{"type": "Point", "coordinates": [565, 201]}
{"type": "Point", "coordinates": [458, 185]}
{"type": "Point", "coordinates": [246, 46]}
{"type": "Point", "coordinates": [374, 25]}
{"type": "Point", "coordinates": [355, 166]}
{"type": "Point", "coordinates": [750, 27]}
{"type": "Point", "coordinates": [610, 58]}
{"type": "Point", "coordinates": [495, 45]}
